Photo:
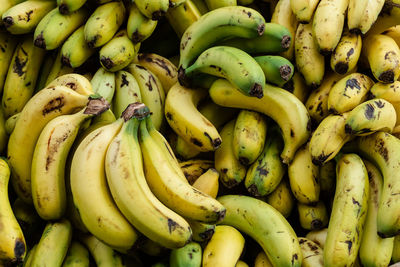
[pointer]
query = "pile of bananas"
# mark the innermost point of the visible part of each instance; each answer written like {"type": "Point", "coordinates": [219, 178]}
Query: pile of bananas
{"type": "Point", "coordinates": [191, 133]}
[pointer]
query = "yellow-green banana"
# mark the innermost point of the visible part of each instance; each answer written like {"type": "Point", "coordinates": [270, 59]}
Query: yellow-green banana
{"type": "Point", "coordinates": [3, 132]}
{"type": "Point", "coordinates": [126, 91]}
{"type": "Point", "coordinates": [29, 256]}
{"type": "Point", "coordinates": [282, 198]}
{"type": "Point", "coordinates": [188, 256]}
{"type": "Point", "coordinates": [182, 16]}
{"type": "Point", "coordinates": [278, 70]}
{"type": "Point", "coordinates": [139, 27]}
{"type": "Point", "coordinates": [313, 217]}
{"type": "Point", "coordinates": [8, 42]}
{"type": "Point", "coordinates": [201, 231]}
{"type": "Point", "coordinates": [74, 81]}
{"type": "Point", "coordinates": [297, 86]}
{"type": "Point", "coordinates": [214, 4]}
{"type": "Point", "coordinates": [312, 253]}
{"type": "Point", "coordinates": [262, 260]}
{"type": "Point", "coordinates": [304, 9]}
{"type": "Point", "coordinates": [7, 4]}
{"type": "Point", "coordinates": [77, 256]}
{"type": "Point", "coordinates": [192, 169]}
{"type": "Point", "coordinates": [362, 14]}
{"type": "Point", "coordinates": [104, 84]}
{"type": "Point", "coordinates": [153, 9]}
{"type": "Point", "coordinates": [389, 92]}
{"type": "Point", "coordinates": [318, 236]}
{"type": "Point", "coordinates": [68, 6]}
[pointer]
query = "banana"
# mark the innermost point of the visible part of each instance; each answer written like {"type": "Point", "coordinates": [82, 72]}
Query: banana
{"type": "Point", "coordinates": [102, 254]}
{"type": "Point", "coordinates": [7, 4]}
{"type": "Point", "coordinates": [152, 92]}
{"type": "Point", "coordinates": [49, 158]}
{"type": "Point", "coordinates": [216, 25]}
{"type": "Point", "coordinates": [24, 17]}
{"type": "Point", "coordinates": [309, 62]}
{"type": "Point", "coordinates": [283, 15]}
{"type": "Point", "coordinates": [149, 247]}
{"type": "Point", "coordinates": [74, 81]}
{"type": "Point", "coordinates": [56, 235]}
{"type": "Point", "coordinates": [374, 250]}
{"type": "Point", "coordinates": [29, 256]}
{"type": "Point", "coordinates": [54, 28]}
{"type": "Point", "coordinates": [126, 91]}
{"type": "Point", "coordinates": [214, 4]}
{"type": "Point", "coordinates": [75, 50]}
{"type": "Point", "coordinates": [349, 92]}
{"type": "Point", "coordinates": [262, 260]}
{"type": "Point", "coordinates": [318, 236]}
{"type": "Point", "coordinates": [225, 241]}
{"type": "Point", "coordinates": [38, 111]}
{"type": "Point", "coordinates": [283, 107]}
{"type": "Point", "coordinates": [278, 70]}
{"type": "Point", "coordinates": [182, 16]}
{"type": "Point", "coordinates": [188, 256]}
{"type": "Point", "coordinates": [254, 217]}
{"type": "Point", "coordinates": [395, 253]}
{"type": "Point", "coordinates": [297, 86]}
{"type": "Point", "coordinates": [346, 54]}
{"type": "Point", "coordinates": [165, 182]}
{"type": "Point", "coordinates": [303, 9]}
{"type": "Point", "coordinates": [303, 176]}
{"type": "Point", "coordinates": [231, 171]}
{"type": "Point", "coordinates": [312, 217]}
{"type": "Point", "coordinates": [77, 256]}
{"type": "Point", "coordinates": [208, 183]}
{"type": "Point", "coordinates": [349, 211]}
{"type": "Point", "coordinates": [249, 136]}
{"type": "Point", "coordinates": [282, 198]}
{"type": "Point", "coordinates": [327, 24]}
{"type": "Point", "coordinates": [371, 116]}
{"type": "Point", "coordinates": [201, 231]}
{"type": "Point", "coordinates": [139, 27]}
{"type": "Point", "coordinates": [393, 32]}
{"type": "Point", "coordinates": [8, 42]}
{"type": "Point", "coordinates": [201, 6]}
{"type": "Point", "coordinates": [104, 23]}
{"type": "Point", "coordinates": [240, 263]}
{"type": "Point", "coordinates": [192, 169]}
{"type": "Point", "coordinates": [21, 77]}
{"type": "Point", "coordinates": [161, 67]}
{"type": "Point", "coordinates": [12, 241]}
{"type": "Point", "coordinates": [175, 3]}
{"type": "Point", "coordinates": [275, 39]}
{"type": "Point", "coordinates": [58, 69]}
{"type": "Point", "coordinates": [327, 179]}
{"type": "Point", "coordinates": [3, 132]}
{"type": "Point", "coordinates": [231, 63]}
{"type": "Point", "coordinates": [185, 119]}
{"type": "Point", "coordinates": [390, 92]}
{"type": "Point", "coordinates": [9, 124]}
{"type": "Point", "coordinates": [265, 174]}
{"type": "Point", "coordinates": [28, 220]}
{"type": "Point", "coordinates": [383, 56]}
{"type": "Point", "coordinates": [362, 14]}
{"type": "Point", "coordinates": [68, 6]}
{"type": "Point", "coordinates": [312, 253]}
{"type": "Point", "coordinates": [103, 83]}
{"type": "Point", "coordinates": [329, 137]}
{"type": "Point", "coordinates": [153, 9]}
{"type": "Point", "coordinates": [388, 18]}
{"type": "Point", "coordinates": [102, 217]}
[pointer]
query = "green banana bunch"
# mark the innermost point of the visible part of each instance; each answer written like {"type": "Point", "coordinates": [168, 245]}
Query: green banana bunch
{"type": "Point", "coordinates": [187, 256]}
{"type": "Point", "coordinates": [138, 26]}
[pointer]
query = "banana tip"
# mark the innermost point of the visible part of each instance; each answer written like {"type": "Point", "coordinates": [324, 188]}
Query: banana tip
{"type": "Point", "coordinates": [257, 91]}
{"type": "Point", "coordinates": [387, 76]}
{"type": "Point", "coordinates": [8, 21]}
{"type": "Point", "coordinates": [182, 78]}
{"type": "Point", "coordinates": [39, 41]}
{"type": "Point", "coordinates": [63, 9]}
{"type": "Point", "coordinates": [286, 41]}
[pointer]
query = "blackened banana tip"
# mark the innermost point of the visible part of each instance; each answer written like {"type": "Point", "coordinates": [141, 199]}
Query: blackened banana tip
{"type": "Point", "coordinates": [107, 63]}
{"type": "Point", "coordinates": [286, 41]}
{"type": "Point", "coordinates": [39, 41]}
{"type": "Point", "coordinates": [65, 61]}
{"type": "Point", "coordinates": [159, 14]}
{"type": "Point", "coordinates": [8, 21]}
{"type": "Point", "coordinates": [217, 143]}
{"type": "Point", "coordinates": [182, 78]}
{"type": "Point", "coordinates": [260, 29]}
{"type": "Point", "coordinates": [341, 67]}
{"type": "Point", "coordinates": [348, 129]}
{"type": "Point", "coordinates": [257, 91]}
{"type": "Point", "coordinates": [387, 76]}
{"type": "Point", "coordinates": [286, 72]}
{"type": "Point", "coordinates": [63, 9]}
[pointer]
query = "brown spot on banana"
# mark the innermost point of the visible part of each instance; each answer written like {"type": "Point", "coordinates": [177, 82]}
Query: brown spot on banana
{"type": "Point", "coordinates": [369, 112]}
{"type": "Point", "coordinates": [92, 43]}
{"type": "Point", "coordinates": [18, 66]}
{"type": "Point", "coordinates": [107, 62]}
{"type": "Point", "coordinates": [387, 76]}
{"type": "Point", "coordinates": [52, 105]}
{"type": "Point", "coordinates": [341, 67]}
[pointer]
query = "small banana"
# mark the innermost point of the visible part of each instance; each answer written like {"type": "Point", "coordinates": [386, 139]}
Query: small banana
{"type": "Point", "coordinates": [349, 211]}
{"type": "Point", "coordinates": [188, 256]}
{"type": "Point", "coordinates": [127, 91]}
{"type": "Point", "coordinates": [278, 70]}
{"type": "Point", "coordinates": [304, 9]}
{"type": "Point", "coordinates": [312, 253]}
{"type": "Point", "coordinates": [390, 92]}
{"type": "Point", "coordinates": [192, 169]}
{"type": "Point", "coordinates": [208, 182]}
{"type": "Point", "coordinates": [346, 54]}
{"type": "Point", "coordinates": [54, 28]}
{"type": "Point", "coordinates": [313, 217]}
{"type": "Point", "coordinates": [283, 107]}
{"type": "Point", "coordinates": [362, 14]}
{"type": "Point", "coordinates": [104, 84]}
{"type": "Point", "coordinates": [77, 256]}
{"type": "Point", "coordinates": [153, 9]}
{"type": "Point", "coordinates": [282, 198]}
{"type": "Point", "coordinates": [104, 23]}
{"type": "Point", "coordinates": [138, 26]}
{"type": "Point", "coordinates": [201, 231]}
{"type": "Point", "coordinates": [309, 62]}
{"type": "Point", "coordinates": [67, 6]}
{"type": "Point", "coordinates": [318, 236]}
{"type": "Point", "coordinates": [254, 217]}
{"type": "Point", "coordinates": [215, 4]}
{"type": "Point", "coordinates": [349, 92]}
{"type": "Point", "coordinates": [182, 16]}
{"type": "Point", "coordinates": [225, 241]}
{"type": "Point", "coordinates": [9, 124]}
{"type": "Point", "coordinates": [24, 17]}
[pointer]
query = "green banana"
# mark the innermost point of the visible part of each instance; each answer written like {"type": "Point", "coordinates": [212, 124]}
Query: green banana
{"type": "Point", "coordinates": [277, 70]}
{"type": "Point", "coordinates": [187, 256]}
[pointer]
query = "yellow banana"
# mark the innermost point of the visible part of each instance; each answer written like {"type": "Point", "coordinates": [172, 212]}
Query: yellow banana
{"type": "Point", "coordinates": [214, 4]}
{"type": "Point", "coordinates": [77, 256]}
{"type": "Point", "coordinates": [312, 253]}
{"type": "Point", "coordinates": [29, 256]}
{"type": "Point", "coordinates": [7, 4]}
{"type": "Point", "coordinates": [312, 217]}
{"type": "Point", "coordinates": [208, 182]}
{"type": "Point", "coordinates": [262, 260]}
{"type": "Point", "coordinates": [388, 18]}
{"type": "Point", "coordinates": [240, 263]}
{"type": "Point", "coordinates": [139, 27]}
{"type": "Point", "coordinates": [304, 9]}
{"type": "Point", "coordinates": [318, 236]}
{"type": "Point", "coordinates": [3, 132]}
{"type": "Point", "coordinates": [201, 231]}
{"type": "Point", "coordinates": [127, 91]}
{"type": "Point", "coordinates": [8, 42]}
{"type": "Point", "coordinates": [192, 169]}
{"type": "Point", "coordinates": [74, 81]}
{"type": "Point", "coordinates": [362, 14]}
{"type": "Point", "coordinates": [282, 198]}
{"type": "Point", "coordinates": [390, 92]}
{"type": "Point", "coordinates": [68, 6]}
{"type": "Point", "coordinates": [153, 9]}
{"type": "Point", "coordinates": [396, 250]}
{"type": "Point", "coordinates": [181, 17]}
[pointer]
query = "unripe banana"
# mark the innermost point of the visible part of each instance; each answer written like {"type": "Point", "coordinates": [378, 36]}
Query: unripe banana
{"type": "Point", "coordinates": [304, 9]}
{"type": "Point", "coordinates": [318, 236]}
{"type": "Point", "coordinates": [77, 256]}
{"type": "Point", "coordinates": [278, 70]}
{"type": "Point", "coordinates": [312, 253]}
{"type": "Point", "coordinates": [139, 27]}
{"type": "Point", "coordinates": [346, 54]}
{"type": "Point", "coordinates": [282, 198]}
{"type": "Point", "coordinates": [104, 84]}
{"type": "Point", "coordinates": [313, 217]}
{"type": "Point", "coordinates": [153, 9]}
{"type": "Point", "coordinates": [390, 92]}
{"type": "Point", "coordinates": [188, 256]}
{"type": "Point", "coordinates": [127, 91]}
{"type": "Point", "coordinates": [182, 16]}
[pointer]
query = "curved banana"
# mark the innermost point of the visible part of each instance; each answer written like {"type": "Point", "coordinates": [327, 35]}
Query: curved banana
{"type": "Point", "coordinates": [396, 250]}
{"type": "Point", "coordinates": [349, 212]}
{"type": "Point", "coordinates": [312, 253]}
{"type": "Point", "coordinates": [139, 27]}
{"type": "Point", "coordinates": [24, 17]}
{"type": "Point", "coordinates": [127, 91]}
{"type": "Point", "coordinates": [29, 256]}
{"type": "Point", "coordinates": [184, 15]}
{"type": "Point", "coordinates": [346, 54]}
{"type": "Point", "coordinates": [186, 120]}
{"type": "Point", "coordinates": [226, 240]}
{"type": "Point", "coordinates": [283, 107]}
{"type": "Point", "coordinates": [192, 169]}
{"type": "Point", "coordinates": [313, 217]}
{"type": "Point", "coordinates": [304, 9]}
{"type": "Point", "coordinates": [282, 198]}
{"type": "Point", "coordinates": [371, 116]}
{"type": "Point", "coordinates": [188, 256]}
{"type": "Point", "coordinates": [12, 240]}
{"type": "Point", "coordinates": [318, 236]}
{"type": "Point", "coordinates": [216, 25]}
{"type": "Point", "coordinates": [309, 62]}
{"type": "Point", "coordinates": [101, 217]}
{"type": "Point", "coordinates": [7, 4]}
{"type": "Point", "coordinates": [390, 92]}
{"type": "Point", "coordinates": [374, 250]}
{"type": "Point", "coordinates": [74, 81]}
{"type": "Point", "coordinates": [362, 14]}
{"type": "Point", "coordinates": [77, 256]}
{"type": "Point", "coordinates": [8, 42]}
{"type": "Point", "coordinates": [254, 217]}
{"type": "Point", "coordinates": [68, 6]}
{"type": "Point", "coordinates": [104, 83]}
{"type": "Point", "coordinates": [153, 9]}
{"type": "Point", "coordinates": [103, 23]}
{"type": "Point", "coordinates": [38, 111]}
{"type": "Point", "coordinates": [388, 18]}
{"type": "Point", "coordinates": [278, 70]}
{"type": "Point", "coordinates": [349, 92]}
{"type": "Point", "coordinates": [54, 28]}
{"type": "Point", "coordinates": [208, 183]}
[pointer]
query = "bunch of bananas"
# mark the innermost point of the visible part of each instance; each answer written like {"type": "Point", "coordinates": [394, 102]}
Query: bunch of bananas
{"type": "Point", "coordinates": [190, 133]}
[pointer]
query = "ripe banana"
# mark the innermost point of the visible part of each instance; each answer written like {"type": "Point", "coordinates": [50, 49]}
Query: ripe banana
{"type": "Point", "coordinates": [188, 256]}
{"type": "Point", "coordinates": [77, 256]}
{"type": "Point", "coordinates": [24, 17]}
{"type": "Point", "coordinates": [277, 70]}
{"type": "Point", "coordinates": [151, 91]}
{"type": "Point", "coordinates": [185, 119]}
{"type": "Point", "coordinates": [312, 253]}
{"type": "Point", "coordinates": [10, 123]}
{"type": "Point", "coordinates": [103, 23]}
{"type": "Point", "coordinates": [283, 107]}
{"type": "Point", "coordinates": [8, 42]}
{"type": "Point", "coordinates": [54, 28]}
{"type": "Point", "coordinates": [101, 217]}
{"type": "Point", "coordinates": [346, 54]}
{"type": "Point", "coordinates": [103, 83]}
{"type": "Point", "coordinates": [192, 169]}
{"type": "Point", "coordinates": [21, 77]}
{"type": "Point", "coordinates": [201, 231]}
{"type": "Point", "coordinates": [254, 217]}
{"type": "Point", "coordinates": [362, 14]}
{"type": "Point", "coordinates": [153, 9]}
{"type": "Point", "coordinates": [327, 24]}
{"type": "Point", "coordinates": [297, 86]}
{"type": "Point", "coordinates": [67, 6]}
{"type": "Point", "coordinates": [304, 9]}
{"type": "Point", "coordinates": [214, 4]}
{"type": "Point", "coordinates": [216, 25]}
{"type": "Point", "coordinates": [265, 174]}
{"type": "Point", "coordinates": [181, 17]}
{"type": "Point", "coordinates": [371, 116]}
{"type": "Point", "coordinates": [309, 62]}
{"type": "Point", "coordinates": [139, 27]}
{"type": "Point", "coordinates": [208, 183]}
{"type": "Point", "coordinates": [393, 32]}
{"type": "Point", "coordinates": [374, 250]}
{"type": "Point", "coordinates": [313, 217]}
{"type": "Point", "coordinates": [75, 50]}
{"type": "Point", "coordinates": [7, 4]}
{"type": "Point", "coordinates": [126, 91]}
{"type": "Point", "coordinates": [76, 82]}
{"type": "Point", "coordinates": [388, 18]}
{"type": "Point", "coordinates": [349, 92]}
{"type": "Point", "coordinates": [12, 241]}
{"type": "Point", "coordinates": [38, 111]}
{"type": "Point", "coordinates": [349, 211]}
{"type": "Point", "coordinates": [390, 92]}
{"type": "Point", "coordinates": [282, 198]}
{"type": "Point", "coordinates": [262, 260]}
{"type": "Point", "coordinates": [56, 235]}
{"type": "Point", "coordinates": [318, 236]}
